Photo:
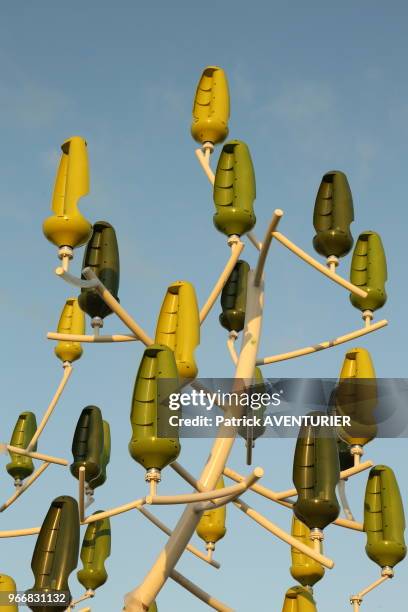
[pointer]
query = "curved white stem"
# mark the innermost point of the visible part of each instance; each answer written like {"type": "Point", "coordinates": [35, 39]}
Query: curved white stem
{"type": "Point", "coordinates": [205, 165]}
{"type": "Point", "coordinates": [231, 347]}
{"type": "Point", "coordinates": [25, 486]}
{"type": "Point", "coordinates": [67, 373]}
{"type": "Point", "coordinates": [211, 601]}
{"type": "Point", "coordinates": [318, 266]}
{"type": "Point", "coordinates": [315, 348]}
{"type": "Point", "coordinates": [236, 250]}
{"type": "Point", "coordinates": [41, 456]}
{"type": "Point", "coordinates": [277, 215]}
{"type": "Point", "coordinates": [114, 305]}
{"type": "Point", "coordinates": [93, 339]}
{"type": "Point", "coordinates": [195, 551]}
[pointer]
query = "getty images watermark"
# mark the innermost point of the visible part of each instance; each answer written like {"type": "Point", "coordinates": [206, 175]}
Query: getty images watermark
{"type": "Point", "coordinates": [248, 404]}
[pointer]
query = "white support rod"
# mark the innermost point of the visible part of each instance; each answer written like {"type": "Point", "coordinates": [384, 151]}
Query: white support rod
{"type": "Point", "coordinates": [65, 377]}
{"type": "Point", "coordinates": [87, 595]}
{"type": "Point", "coordinates": [232, 337]}
{"type": "Point", "coordinates": [236, 250]}
{"type": "Point", "coordinates": [314, 348]}
{"type": "Point", "coordinates": [25, 486]}
{"type": "Point", "coordinates": [373, 586]}
{"type": "Point", "coordinates": [114, 305]}
{"type": "Point", "coordinates": [318, 266]}
{"type": "Point", "coordinates": [124, 316]}
{"type": "Point", "coordinates": [277, 215]}
{"type": "Point", "coordinates": [195, 551]}
{"type": "Point", "coordinates": [33, 455]}
{"type": "Point", "coordinates": [17, 533]}
{"type": "Point", "coordinates": [361, 467]}
{"type": "Point", "coordinates": [282, 535]}
{"type": "Point", "coordinates": [205, 165]}
{"type": "Point", "coordinates": [357, 600]}
{"type": "Point", "coordinates": [74, 280]}
{"type": "Point", "coordinates": [146, 593]}
{"type": "Point", "coordinates": [252, 238]}
{"type": "Point", "coordinates": [114, 511]}
{"type": "Point", "coordinates": [269, 494]}
{"type": "Point", "coordinates": [259, 518]}
{"type": "Point", "coordinates": [249, 482]}
{"type": "Point", "coordinates": [91, 339]}
{"type": "Point", "coordinates": [211, 601]}
{"type": "Point", "coordinates": [215, 494]}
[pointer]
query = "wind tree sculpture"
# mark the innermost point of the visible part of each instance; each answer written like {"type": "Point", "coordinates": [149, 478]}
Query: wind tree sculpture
{"type": "Point", "coordinates": [321, 463]}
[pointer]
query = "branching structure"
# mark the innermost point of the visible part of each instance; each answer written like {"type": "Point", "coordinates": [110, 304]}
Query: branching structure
{"type": "Point", "coordinates": [321, 462]}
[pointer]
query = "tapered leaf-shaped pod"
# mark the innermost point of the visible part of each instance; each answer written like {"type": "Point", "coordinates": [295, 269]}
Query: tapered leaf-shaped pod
{"type": "Point", "coordinates": [7, 587]}
{"type": "Point", "coordinates": [156, 379]}
{"type": "Point", "coordinates": [20, 466]}
{"type": "Point", "coordinates": [369, 272]}
{"type": "Point", "coordinates": [105, 457]}
{"type": "Point", "coordinates": [299, 599]}
{"type": "Point", "coordinates": [384, 520]}
{"type": "Point", "coordinates": [102, 256]}
{"type": "Point", "coordinates": [67, 226]}
{"type": "Point", "coordinates": [178, 326]}
{"type": "Point", "coordinates": [233, 298]}
{"type": "Point", "coordinates": [356, 398]}
{"type": "Point", "coordinates": [56, 551]}
{"type": "Point", "coordinates": [304, 569]}
{"type": "Point", "coordinates": [211, 107]}
{"type": "Point", "coordinates": [234, 190]}
{"type": "Point", "coordinates": [211, 526]}
{"type": "Point", "coordinates": [87, 445]}
{"type": "Point", "coordinates": [72, 321]}
{"type": "Point", "coordinates": [96, 548]}
{"type": "Point", "coordinates": [333, 215]}
{"type": "Point", "coordinates": [316, 472]}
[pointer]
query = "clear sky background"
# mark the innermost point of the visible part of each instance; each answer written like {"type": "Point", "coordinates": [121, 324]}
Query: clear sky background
{"type": "Point", "coordinates": [314, 86]}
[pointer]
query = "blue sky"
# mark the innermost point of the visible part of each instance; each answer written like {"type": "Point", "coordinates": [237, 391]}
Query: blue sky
{"type": "Point", "coordinates": [314, 86]}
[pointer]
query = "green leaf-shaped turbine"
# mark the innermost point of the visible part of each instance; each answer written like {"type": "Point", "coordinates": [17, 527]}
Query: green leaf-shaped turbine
{"type": "Point", "coordinates": [369, 272]}
{"type": "Point", "coordinates": [333, 215]}
{"type": "Point", "coordinates": [316, 472]}
{"type": "Point", "coordinates": [56, 551]}
{"type": "Point", "coordinates": [234, 190]}
{"type": "Point", "coordinates": [102, 256]}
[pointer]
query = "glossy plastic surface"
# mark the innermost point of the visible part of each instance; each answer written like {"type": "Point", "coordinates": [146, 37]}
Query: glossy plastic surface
{"type": "Point", "coordinates": [105, 458]}
{"type": "Point", "coordinates": [156, 378]}
{"type": "Point", "coordinates": [234, 190]}
{"type": "Point", "coordinates": [384, 519]}
{"type": "Point", "coordinates": [233, 298]}
{"type": "Point", "coordinates": [304, 569]}
{"type": "Point", "coordinates": [333, 215]}
{"type": "Point", "coordinates": [211, 527]}
{"type": "Point", "coordinates": [102, 256]}
{"type": "Point", "coordinates": [72, 321]}
{"type": "Point", "coordinates": [316, 472]}
{"type": "Point", "coordinates": [298, 599]}
{"type": "Point", "coordinates": [211, 107]}
{"type": "Point", "coordinates": [7, 585]}
{"type": "Point", "coordinates": [56, 550]}
{"type": "Point", "coordinates": [87, 445]}
{"type": "Point", "coordinates": [67, 226]}
{"type": "Point", "coordinates": [96, 548]}
{"type": "Point", "coordinates": [21, 467]}
{"type": "Point", "coordinates": [369, 271]}
{"type": "Point", "coordinates": [178, 326]}
{"type": "Point", "coordinates": [356, 397]}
